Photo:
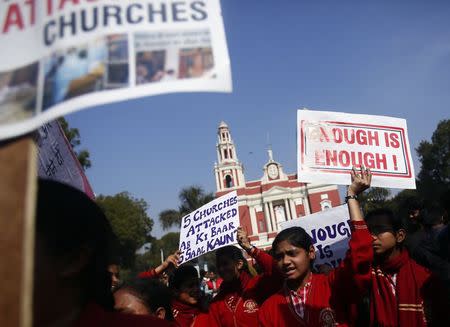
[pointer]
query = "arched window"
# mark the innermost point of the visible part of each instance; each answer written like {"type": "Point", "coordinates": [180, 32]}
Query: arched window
{"type": "Point", "coordinates": [228, 181]}
{"type": "Point", "coordinates": [326, 204]}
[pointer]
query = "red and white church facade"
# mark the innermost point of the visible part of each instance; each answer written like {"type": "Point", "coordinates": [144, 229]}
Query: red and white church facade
{"type": "Point", "coordinates": [276, 197]}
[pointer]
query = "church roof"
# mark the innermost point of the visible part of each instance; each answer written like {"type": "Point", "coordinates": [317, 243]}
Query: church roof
{"type": "Point", "coordinates": [223, 124]}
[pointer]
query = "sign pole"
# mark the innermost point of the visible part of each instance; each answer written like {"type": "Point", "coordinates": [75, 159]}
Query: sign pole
{"type": "Point", "coordinates": [17, 209]}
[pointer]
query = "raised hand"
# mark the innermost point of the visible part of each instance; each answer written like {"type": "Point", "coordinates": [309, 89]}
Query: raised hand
{"type": "Point", "coordinates": [360, 181]}
{"type": "Point", "coordinates": [243, 239]}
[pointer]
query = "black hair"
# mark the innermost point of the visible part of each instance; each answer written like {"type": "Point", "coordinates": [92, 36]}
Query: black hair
{"type": "Point", "coordinates": [182, 275]}
{"type": "Point", "coordinates": [433, 216]}
{"type": "Point", "coordinates": [385, 217]}
{"type": "Point", "coordinates": [234, 253]}
{"type": "Point", "coordinates": [67, 220]}
{"type": "Point", "coordinates": [296, 236]}
{"type": "Point", "coordinates": [152, 293]}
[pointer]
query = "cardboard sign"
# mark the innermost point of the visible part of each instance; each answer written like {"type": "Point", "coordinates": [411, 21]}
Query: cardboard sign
{"type": "Point", "coordinates": [209, 228]}
{"type": "Point", "coordinates": [330, 231]}
{"type": "Point", "coordinates": [331, 143]}
{"type": "Point", "coordinates": [60, 56]}
{"type": "Point", "coordinates": [56, 159]}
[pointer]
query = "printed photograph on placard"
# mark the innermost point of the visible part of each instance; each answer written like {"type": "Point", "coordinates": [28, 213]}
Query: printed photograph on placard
{"type": "Point", "coordinates": [173, 55]}
{"type": "Point", "coordinates": [18, 89]}
{"type": "Point", "coordinates": [196, 62]}
{"type": "Point", "coordinates": [95, 66]}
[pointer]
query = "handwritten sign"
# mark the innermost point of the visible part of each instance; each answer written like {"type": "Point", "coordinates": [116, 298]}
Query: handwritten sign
{"type": "Point", "coordinates": [331, 143]}
{"type": "Point", "coordinates": [330, 231]}
{"type": "Point", "coordinates": [59, 56]}
{"type": "Point", "coordinates": [56, 159]}
{"type": "Point", "coordinates": [209, 228]}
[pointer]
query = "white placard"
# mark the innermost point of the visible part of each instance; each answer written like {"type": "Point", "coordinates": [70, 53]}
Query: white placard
{"type": "Point", "coordinates": [209, 228]}
{"type": "Point", "coordinates": [59, 56]}
{"type": "Point", "coordinates": [330, 231]}
{"type": "Point", "coordinates": [56, 159]}
{"type": "Point", "coordinates": [331, 143]}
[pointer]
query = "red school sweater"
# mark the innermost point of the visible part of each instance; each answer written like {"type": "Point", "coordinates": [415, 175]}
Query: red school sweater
{"type": "Point", "coordinates": [330, 298]}
{"type": "Point", "coordinates": [237, 304]}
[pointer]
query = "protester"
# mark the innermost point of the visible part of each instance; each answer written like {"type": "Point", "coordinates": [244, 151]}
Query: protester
{"type": "Point", "coordinates": [114, 271]}
{"type": "Point", "coordinates": [144, 297]}
{"type": "Point", "coordinates": [72, 286]}
{"type": "Point", "coordinates": [170, 263]}
{"type": "Point", "coordinates": [309, 299]}
{"type": "Point", "coordinates": [213, 283]}
{"type": "Point", "coordinates": [240, 294]}
{"type": "Point", "coordinates": [400, 286]}
{"type": "Point", "coordinates": [188, 306]}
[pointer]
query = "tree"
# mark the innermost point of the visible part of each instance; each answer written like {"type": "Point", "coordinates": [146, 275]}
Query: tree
{"type": "Point", "coordinates": [73, 136]}
{"type": "Point", "coordinates": [191, 198]}
{"type": "Point", "coordinates": [374, 198]}
{"type": "Point", "coordinates": [130, 222]}
{"type": "Point", "coordinates": [152, 258]}
{"type": "Point", "coordinates": [434, 176]}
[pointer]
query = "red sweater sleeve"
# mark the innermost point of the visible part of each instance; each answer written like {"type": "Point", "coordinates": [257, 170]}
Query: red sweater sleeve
{"type": "Point", "coordinates": [265, 260]}
{"type": "Point", "coordinates": [148, 274]}
{"type": "Point", "coordinates": [356, 267]}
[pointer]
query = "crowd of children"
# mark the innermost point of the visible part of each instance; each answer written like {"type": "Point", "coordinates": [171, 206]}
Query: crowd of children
{"type": "Point", "coordinates": [379, 283]}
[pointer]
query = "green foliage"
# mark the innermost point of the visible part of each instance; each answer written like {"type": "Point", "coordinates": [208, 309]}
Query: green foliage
{"type": "Point", "coordinates": [191, 198]}
{"type": "Point", "coordinates": [73, 136]}
{"type": "Point", "coordinates": [434, 176]}
{"type": "Point", "coordinates": [374, 198]}
{"type": "Point", "coordinates": [401, 203]}
{"type": "Point", "coordinates": [130, 222]}
{"type": "Point", "coordinates": [152, 258]}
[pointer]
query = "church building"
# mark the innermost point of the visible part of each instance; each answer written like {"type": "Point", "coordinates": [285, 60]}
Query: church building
{"type": "Point", "coordinates": [276, 197]}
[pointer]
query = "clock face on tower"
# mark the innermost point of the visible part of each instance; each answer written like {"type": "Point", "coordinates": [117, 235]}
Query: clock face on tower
{"type": "Point", "coordinates": [272, 171]}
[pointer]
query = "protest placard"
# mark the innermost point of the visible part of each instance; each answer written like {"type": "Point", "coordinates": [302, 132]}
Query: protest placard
{"type": "Point", "coordinates": [210, 227]}
{"type": "Point", "coordinates": [56, 159]}
{"type": "Point", "coordinates": [331, 143]}
{"type": "Point", "coordinates": [330, 232]}
{"type": "Point", "coordinates": [59, 56]}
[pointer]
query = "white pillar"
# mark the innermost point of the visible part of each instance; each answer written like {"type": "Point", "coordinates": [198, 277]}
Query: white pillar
{"type": "Point", "coordinates": [253, 220]}
{"type": "Point", "coordinates": [286, 210]}
{"type": "Point", "coordinates": [267, 216]}
{"type": "Point", "coordinates": [234, 177]}
{"type": "Point", "coordinates": [293, 209]}
{"type": "Point", "coordinates": [272, 216]}
{"type": "Point", "coordinates": [217, 180]}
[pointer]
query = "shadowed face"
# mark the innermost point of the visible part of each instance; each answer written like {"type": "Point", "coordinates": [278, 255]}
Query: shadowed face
{"type": "Point", "coordinates": [293, 262]}
{"type": "Point", "coordinates": [115, 276]}
{"type": "Point", "coordinates": [190, 291]}
{"type": "Point", "coordinates": [228, 268]}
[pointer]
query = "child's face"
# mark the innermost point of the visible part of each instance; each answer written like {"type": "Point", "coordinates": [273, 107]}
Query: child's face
{"type": "Point", "coordinates": [383, 242]}
{"type": "Point", "coordinates": [293, 262]}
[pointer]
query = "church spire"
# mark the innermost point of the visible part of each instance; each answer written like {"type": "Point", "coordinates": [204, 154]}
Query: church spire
{"type": "Point", "coordinates": [229, 171]}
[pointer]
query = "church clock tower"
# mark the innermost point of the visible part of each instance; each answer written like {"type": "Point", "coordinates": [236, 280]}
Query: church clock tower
{"type": "Point", "coordinates": [228, 170]}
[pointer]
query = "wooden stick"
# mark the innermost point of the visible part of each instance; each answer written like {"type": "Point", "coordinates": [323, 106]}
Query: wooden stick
{"type": "Point", "coordinates": [18, 171]}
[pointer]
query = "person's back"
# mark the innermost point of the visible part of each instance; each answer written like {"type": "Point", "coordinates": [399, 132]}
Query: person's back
{"type": "Point", "coordinates": [72, 283]}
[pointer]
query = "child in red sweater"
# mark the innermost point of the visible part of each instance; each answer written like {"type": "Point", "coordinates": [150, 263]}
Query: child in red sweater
{"type": "Point", "coordinates": [187, 307]}
{"type": "Point", "coordinates": [402, 291]}
{"type": "Point", "coordinates": [309, 299]}
{"type": "Point", "coordinates": [241, 294]}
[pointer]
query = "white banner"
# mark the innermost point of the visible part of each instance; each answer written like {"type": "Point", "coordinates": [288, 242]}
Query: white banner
{"type": "Point", "coordinates": [60, 56]}
{"type": "Point", "coordinates": [330, 231]}
{"type": "Point", "coordinates": [57, 161]}
{"type": "Point", "coordinates": [209, 228]}
{"type": "Point", "coordinates": [331, 143]}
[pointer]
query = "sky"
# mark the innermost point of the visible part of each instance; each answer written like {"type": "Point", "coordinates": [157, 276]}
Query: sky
{"type": "Point", "coordinates": [387, 58]}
